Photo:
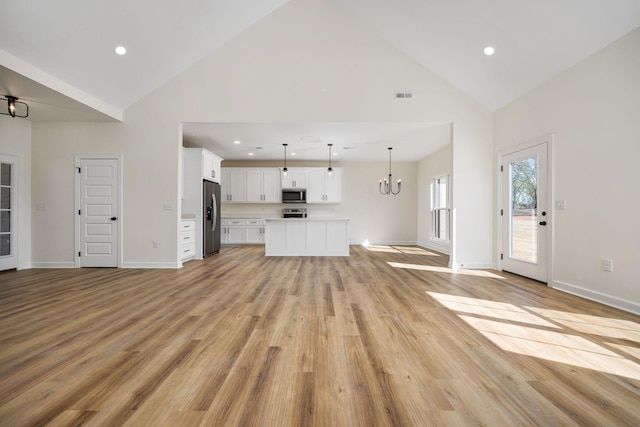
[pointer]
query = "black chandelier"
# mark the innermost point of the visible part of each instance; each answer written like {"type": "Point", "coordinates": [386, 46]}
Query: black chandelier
{"type": "Point", "coordinates": [330, 169]}
{"type": "Point", "coordinates": [388, 186]}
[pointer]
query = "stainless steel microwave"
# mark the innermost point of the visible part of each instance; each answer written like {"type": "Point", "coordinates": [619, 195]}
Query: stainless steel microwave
{"type": "Point", "coordinates": [294, 195]}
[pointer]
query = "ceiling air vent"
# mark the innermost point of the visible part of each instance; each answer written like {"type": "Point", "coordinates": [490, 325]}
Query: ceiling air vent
{"type": "Point", "coordinates": [404, 95]}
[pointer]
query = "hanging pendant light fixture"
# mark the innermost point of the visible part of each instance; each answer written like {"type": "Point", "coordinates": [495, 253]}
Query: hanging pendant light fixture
{"type": "Point", "coordinates": [330, 169]}
{"type": "Point", "coordinates": [284, 170]}
{"type": "Point", "coordinates": [388, 186]}
{"type": "Point", "coordinates": [11, 107]}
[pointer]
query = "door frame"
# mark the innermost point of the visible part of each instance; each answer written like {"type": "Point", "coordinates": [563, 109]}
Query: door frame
{"type": "Point", "coordinates": [78, 159]}
{"type": "Point", "coordinates": [549, 140]}
{"type": "Point", "coordinates": [16, 205]}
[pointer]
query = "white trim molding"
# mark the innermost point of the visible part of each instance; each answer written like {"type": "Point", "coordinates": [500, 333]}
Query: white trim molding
{"type": "Point", "coordinates": [598, 297]}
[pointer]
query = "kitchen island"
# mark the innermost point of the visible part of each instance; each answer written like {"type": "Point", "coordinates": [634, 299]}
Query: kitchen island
{"type": "Point", "coordinates": [306, 237]}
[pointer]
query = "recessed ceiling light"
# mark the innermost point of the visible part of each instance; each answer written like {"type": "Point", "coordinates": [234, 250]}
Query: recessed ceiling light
{"type": "Point", "coordinates": [251, 154]}
{"type": "Point", "coordinates": [121, 50]}
{"type": "Point", "coordinates": [335, 154]}
{"type": "Point", "coordinates": [293, 154]}
{"type": "Point", "coordinates": [489, 51]}
{"type": "Point", "coordinates": [236, 142]}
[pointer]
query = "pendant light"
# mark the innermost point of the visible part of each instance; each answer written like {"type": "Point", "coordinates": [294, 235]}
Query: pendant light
{"type": "Point", "coordinates": [330, 169]}
{"type": "Point", "coordinates": [284, 170]}
{"type": "Point", "coordinates": [388, 186]}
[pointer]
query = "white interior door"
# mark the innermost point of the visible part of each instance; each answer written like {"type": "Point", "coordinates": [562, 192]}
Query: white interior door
{"type": "Point", "coordinates": [98, 223]}
{"type": "Point", "coordinates": [8, 208]}
{"type": "Point", "coordinates": [525, 217]}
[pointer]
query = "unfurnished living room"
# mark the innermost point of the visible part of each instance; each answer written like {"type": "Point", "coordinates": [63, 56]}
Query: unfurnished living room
{"type": "Point", "coordinates": [319, 212]}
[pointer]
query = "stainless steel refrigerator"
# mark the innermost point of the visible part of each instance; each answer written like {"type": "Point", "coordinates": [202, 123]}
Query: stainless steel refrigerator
{"type": "Point", "coordinates": [211, 218]}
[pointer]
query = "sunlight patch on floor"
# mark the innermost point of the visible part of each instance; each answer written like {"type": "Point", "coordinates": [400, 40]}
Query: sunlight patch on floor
{"type": "Point", "coordinates": [495, 309]}
{"type": "Point", "coordinates": [411, 250]}
{"type": "Point", "coordinates": [606, 327]}
{"type": "Point", "coordinates": [435, 269]}
{"type": "Point", "coordinates": [541, 341]}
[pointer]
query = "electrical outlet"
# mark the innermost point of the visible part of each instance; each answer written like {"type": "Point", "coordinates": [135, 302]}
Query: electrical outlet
{"type": "Point", "coordinates": [155, 245]}
{"type": "Point", "coordinates": [607, 265]}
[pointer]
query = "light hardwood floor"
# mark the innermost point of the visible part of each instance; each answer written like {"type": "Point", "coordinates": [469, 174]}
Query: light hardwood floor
{"type": "Point", "coordinates": [387, 336]}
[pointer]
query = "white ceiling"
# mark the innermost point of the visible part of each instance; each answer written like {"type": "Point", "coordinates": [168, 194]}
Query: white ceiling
{"type": "Point", "coordinates": [58, 56]}
{"type": "Point", "coordinates": [308, 141]}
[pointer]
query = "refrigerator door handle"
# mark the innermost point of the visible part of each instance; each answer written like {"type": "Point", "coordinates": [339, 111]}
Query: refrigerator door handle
{"type": "Point", "coordinates": [215, 212]}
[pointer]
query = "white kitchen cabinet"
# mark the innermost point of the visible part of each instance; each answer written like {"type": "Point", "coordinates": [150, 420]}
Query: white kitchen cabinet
{"type": "Point", "coordinates": [210, 166]}
{"type": "Point", "coordinates": [201, 162]}
{"type": "Point", "coordinates": [306, 237]}
{"type": "Point", "coordinates": [187, 243]}
{"type": "Point", "coordinates": [242, 231]}
{"type": "Point", "coordinates": [251, 185]}
{"type": "Point", "coordinates": [232, 231]}
{"type": "Point", "coordinates": [322, 187]}
{"type": "Point", "coordinates": [263, 185]}
{"type": "Point", "coordinates": [254, 231]}
{"type": "Point", "coordinates": [234, 185]}
{"type": "Point", "coordinates": [295, 178]}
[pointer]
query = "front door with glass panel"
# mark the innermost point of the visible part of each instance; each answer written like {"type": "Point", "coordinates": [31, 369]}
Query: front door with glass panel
{"type": "Point", "coordinates": [8, 240]}
{"type": "Point", "coordinates": [525, 217]}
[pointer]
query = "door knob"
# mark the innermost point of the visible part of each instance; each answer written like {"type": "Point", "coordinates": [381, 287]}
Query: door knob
{"type": "Point", "coordinates": [113, 218]}
{"type": "Point", "coordinates": [543, 222]}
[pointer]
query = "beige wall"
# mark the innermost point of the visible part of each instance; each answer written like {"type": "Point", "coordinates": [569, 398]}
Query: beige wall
{"type": "Point", "coordinates": [332, 70]}
{"type": "Point", "coordinates": [593, 111]}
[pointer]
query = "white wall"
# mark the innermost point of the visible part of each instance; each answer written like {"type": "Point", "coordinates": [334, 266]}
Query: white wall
{"type": "Point", "coordinates": [437, 164]}
{"type": "Point", "coordinates": [306, 62]}
{"type": "Point", "coordinates": [15, 141]}
{"type": "Point", "coordinates": [593, 110]}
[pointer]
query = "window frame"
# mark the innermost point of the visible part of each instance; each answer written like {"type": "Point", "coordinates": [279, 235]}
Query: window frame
{"type": "Point", "coordinates": [436, 208]}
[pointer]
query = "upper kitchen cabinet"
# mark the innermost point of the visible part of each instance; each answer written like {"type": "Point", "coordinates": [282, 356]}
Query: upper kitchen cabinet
{"type": "Point", "coordinates": [263, 185]}
{"type": "Point", "coordinates": [211, 166]}
{"type": "Point", "coordinates": [295, 178]}
{"type": "Point", "coordinates": [251, 185]}
{"type": "Point", "coordinates": [323, 187]}
{"type": "Point", "coordinates": [207, 163]}
{"type": "Point", "coordinates": [234, 185]}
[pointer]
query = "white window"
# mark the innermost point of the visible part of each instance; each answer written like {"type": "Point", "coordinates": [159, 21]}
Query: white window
{"type": "Point", "coordinates": [440, 208]}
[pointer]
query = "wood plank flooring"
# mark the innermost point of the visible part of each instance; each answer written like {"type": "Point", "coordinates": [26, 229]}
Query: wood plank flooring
{"type": "Point", "coordinates": [385, 337]}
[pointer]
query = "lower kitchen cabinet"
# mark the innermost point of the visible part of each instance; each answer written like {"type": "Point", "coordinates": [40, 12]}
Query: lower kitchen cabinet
{"type": "Point", "coordinates": [242, 231]}
{"type": "Point", "coordinates": [187, 245]}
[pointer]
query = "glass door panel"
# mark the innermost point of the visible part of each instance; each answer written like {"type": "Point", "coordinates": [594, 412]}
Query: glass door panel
{"type": "Point", "coordinates": [524, 207]}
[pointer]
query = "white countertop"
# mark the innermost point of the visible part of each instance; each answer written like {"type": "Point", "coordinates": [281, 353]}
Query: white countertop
{"type": "Point", "coordinates": [318, 218]}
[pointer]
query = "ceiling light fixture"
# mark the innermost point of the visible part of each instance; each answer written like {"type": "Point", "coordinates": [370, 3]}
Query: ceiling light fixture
{"type": "Point", "coordinates": [284, 170]}
{"type": "Point", "coordinates": [330, 169]}
{"type": "Point", "coordinates": [11, 107]}
{"type": "Point", "coordinates": [489, 51]}
{"type": "Point", "coordinates": [120, 50]}
{"type": "Point", "coordinates": [236, 142]}
{"type": "Point", "coordinates": [388, 186]}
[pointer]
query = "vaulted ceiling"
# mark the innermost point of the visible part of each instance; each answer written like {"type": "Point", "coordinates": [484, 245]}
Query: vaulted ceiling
{"type": "Point", "coordinates": [59, 56]}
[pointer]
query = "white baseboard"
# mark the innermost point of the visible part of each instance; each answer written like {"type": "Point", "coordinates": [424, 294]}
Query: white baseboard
{"type": "Point", "coordinates": [475, 266]}
{"type": "Point", "coordinates": [152, 264]}
{"type": "Point", "coordinates": [438, 247]}
{"type": "Point", "coordinates": [605, 299]}
{"type": "Point", "coordinates": [52, 265]}
{"type": "Point", "coordinates": [387, 243]}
